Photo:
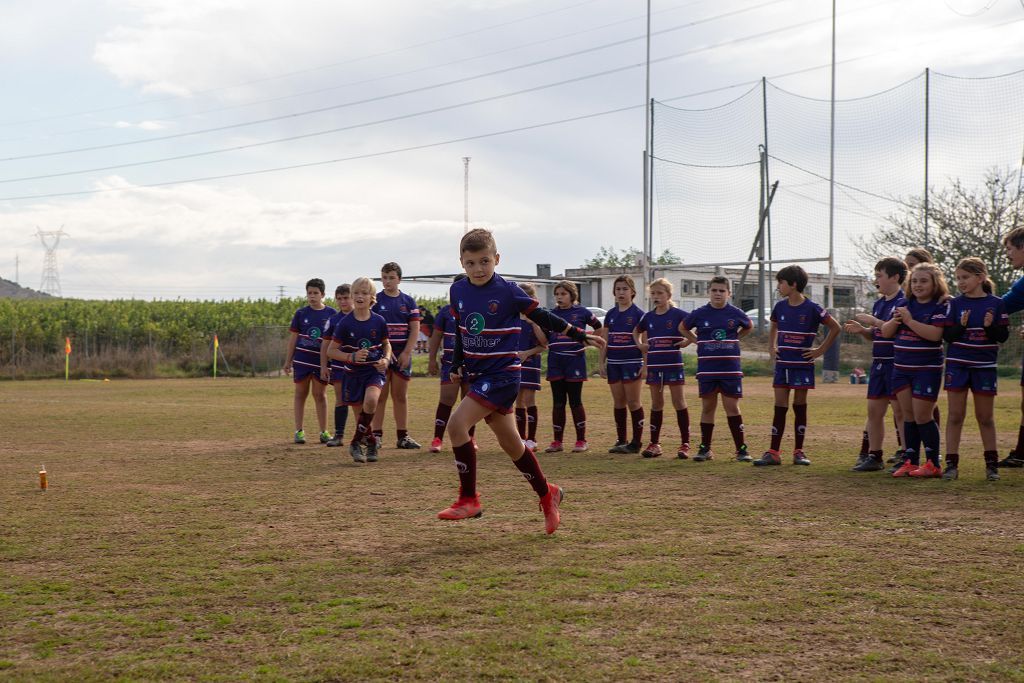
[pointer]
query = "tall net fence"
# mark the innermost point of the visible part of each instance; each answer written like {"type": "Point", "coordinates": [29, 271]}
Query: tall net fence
{"type": "Point", "coordinates": [889, 146]}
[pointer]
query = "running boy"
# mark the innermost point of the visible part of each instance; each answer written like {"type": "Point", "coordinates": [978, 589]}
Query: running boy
{"type": "Point", "coordinates": [302, 358]}
{"type": "Point", "coordinates": [794, 327]}
{"type": "Point", "coordinates": [443, 338]}
{"type": "Point", "coordinates": [487, 309]}
{"type": "Point", "coordinates": [659, 336]}
{"type": "Point", "coordinates": [532, 342]}
{"type": "Point", "coordinates": [976, 326]}
{"type": "Point", "coordinates": [567, 367]}
{"type": "Point", "coordinates": [719, 327]}
{"type": "Point", "coordinates": [360, 341]}
{"type": "Point", "coordinates": [402, 315]}
{"type": "Point", "coordinates": [333, 371]}
{"type": "Point", "coordinates": [889, 276]}
{"type": "Point", "coordinates": [622, 364]}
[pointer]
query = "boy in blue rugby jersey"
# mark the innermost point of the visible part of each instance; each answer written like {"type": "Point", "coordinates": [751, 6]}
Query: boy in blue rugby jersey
{"type": "Point", "coordinates": [486, 356]}
{"type": "Point", "coordinates": [302, 358]}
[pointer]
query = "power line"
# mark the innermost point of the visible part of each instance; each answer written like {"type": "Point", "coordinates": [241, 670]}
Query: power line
{"type": "Point", "coordinates": [307, 70]}
{"type": "Point", "coordinates": [457, 81]}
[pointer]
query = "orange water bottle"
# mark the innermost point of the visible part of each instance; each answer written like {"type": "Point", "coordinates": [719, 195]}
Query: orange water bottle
{"type": "Point", "coordinates": [42, 478]}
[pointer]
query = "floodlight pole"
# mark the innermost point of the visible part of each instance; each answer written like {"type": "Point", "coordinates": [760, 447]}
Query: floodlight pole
{"type": "Point", "coordinates": [832, 174]}
{"type": "Point", "coordinates": [647, 229]}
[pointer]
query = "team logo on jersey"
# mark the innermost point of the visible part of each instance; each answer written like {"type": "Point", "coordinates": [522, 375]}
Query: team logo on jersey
{"type": "Point", "coordinates": [485, 387]}
{"type": "Point", "coordinates": [731, 323]}
{"type": "Point", "coordinates": [314, 333]}
{"type": "Point", "coordinates": [492, 306]}
{"type": "Point", "coordinates": [403, 308]}
{"type": "Point", "coordinates": [474, 323]}
{"type": "Point", "coordinates": [720, 334]}
{"type": "Point", "coordinates": [382, 307]}
{"type": "Point", "coordinates": [803, 320]}
{"type": "Point", "coordinates": [373, 334]}
{"type": "Point", "coordinates": [460, 304]}
{"type": "Point", "coordinates": [629, 321]}
{"type": "Point", "coordinates": [668, 324]}
{"type": "Point", "coordinates": [364, 343]}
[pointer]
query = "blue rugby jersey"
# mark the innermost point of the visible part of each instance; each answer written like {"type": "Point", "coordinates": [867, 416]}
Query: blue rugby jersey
{"type": "Point", "coordinates": [332, 324]}
{"type": "Point", "coordinates": [445, 324]}
{"type": "Point", "coordinates": [489, 323]}
{"type": "Point", "coordinates": [911, 352]}
{"type": "Point", "coordinates": [797, 328]}
{"type": "Point", "coordinates": [975, 349]}
{"type": "Point", "coordinates": [527, 336]}
{"type": "Point", "coordinates": [662, 336]}
{"type": "Point", "coordinates": [882, 348]}
{"type": "Point", "coordinates": [353, 334]}
{"type": "Point", "coordinates": [577, 316]}
{"type": "Point", "coordinates": [718, 342]}
{"type": "Point", "coordinates": [309, 324]}
{"type": "Point", "coordinates": [398, 312]}
{"type": "Point", "coordinates": [621, 324]}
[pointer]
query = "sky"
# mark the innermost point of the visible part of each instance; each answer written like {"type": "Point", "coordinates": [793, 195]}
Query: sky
{"type": "Point", "coordinates": [151, 129]}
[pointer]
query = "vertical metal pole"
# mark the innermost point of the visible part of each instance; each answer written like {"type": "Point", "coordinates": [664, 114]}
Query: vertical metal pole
{"type": "Point", "coordinates": [927, 107]}
{"type": "Point", "coordinates": [465, 191]}
{"type": "Point", "coordinates": [761, 300]}
{"type": "Point", "coordinates": [648, 237]}
{"type": "Point", "coordinates": [767, 176]}
{"type": "Point", "coordinates": [832, 174]}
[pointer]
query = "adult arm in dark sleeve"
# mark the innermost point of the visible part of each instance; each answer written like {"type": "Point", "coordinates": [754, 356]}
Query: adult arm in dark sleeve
{"type": "Point", "coordinates": [997, 333]}
{"type": "Point", "coordinates": [550, 322]}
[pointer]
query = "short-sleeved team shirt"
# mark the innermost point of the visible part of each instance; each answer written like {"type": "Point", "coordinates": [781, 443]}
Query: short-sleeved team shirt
{"type": "Point", "coordinates": [398, 312]}
{"type": "Point", "coordinates": [488, 323]}
{"type": "Point", "coordinates": [621, 324]}
{"type": "Point", "coordinates": [577, 316]}
{"type": "Point", "coordinates": [527, 337]}
{"type": "Point", "coordinates": [718, 342]}
{"type": "Point", "coordinates": [662, 338]}
{"type": "Point", "coordinates": [797, 328]}
{"type": "Point", "coordinates": [912, 353]}
{"type": "Point", "coordinates": [352, 334]}
{"type": "Point", "coordinates": [445, 324]}
{"type": "Point", "coordinates": [332, 324]}
{"type": "Point", "coordinates": [974, 349]}
{"type": "Point", "coordinates": [882, 348]}
{"type": "Point", "coordinates": [309, 324]}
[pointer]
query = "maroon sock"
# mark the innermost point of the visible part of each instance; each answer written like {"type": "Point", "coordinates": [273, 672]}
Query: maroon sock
{"type": "Point", "coordinates": [362, 427]}
{"type": "Point", "coordinates": [637, 417]}
{"type": "Point", "coordinates": [401, 434]}
{"type": "Point", "coordinates": [707, 430]}
{"type": "Point", "coordinates": [521, 422]}
{"type": "Point", "coordinates": [620, 425]}
{"type": "Point", "coordinates": [441, 416]}
{"type": "Point", "coordinates": [656, 416]}
{"type": "Point", "coordinates": [1019, 448]}
{"type": "Point", "coordinates": [799, 424]}
{"type": "Point", "coordinates": [579, 419]}
{"type": "Point", "coordinates": [936, 416]}
{"type": "Point", "coordinates": [465, 461]}
{"type": "Point", "coordinates": [779, 426]}
{"type": "Point", "coordinates": [683, 420]}
{"type": "Point", "coordinates": [991, 458]}
{"type": "Point", "coordinates": [528, 465]}
{"type": "Point", "coordinates": [736, 428]}
{"type": "Point", "coordinates": [531, 423]}
{"type": "Point", "coordinates": [952, 459]}
{"type": "Point", "coordinates": [863, 441]}
{"type": "Point", "coordinates": [558, 422]}
{"type": "Point", "coordinates": [876, 454]}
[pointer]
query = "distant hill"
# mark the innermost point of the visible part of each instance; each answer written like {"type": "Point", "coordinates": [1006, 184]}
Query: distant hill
{"type": "Point", "coordinates": [11, 290]}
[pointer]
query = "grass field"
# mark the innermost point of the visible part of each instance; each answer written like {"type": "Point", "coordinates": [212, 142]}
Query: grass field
{"type": "Point", "coordinates": [184, 537]}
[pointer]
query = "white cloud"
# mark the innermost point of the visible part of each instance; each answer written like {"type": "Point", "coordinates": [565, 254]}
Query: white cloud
{"type": "Point", "coordinates": [144, 125]}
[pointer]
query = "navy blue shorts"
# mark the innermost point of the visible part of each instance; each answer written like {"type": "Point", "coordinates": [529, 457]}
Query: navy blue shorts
{"type": "Point", "coordinates": [530, 374]}
{"type": "Point", "coordinates": [445, 374]}
{"type": "Point", "coordinates": [569, 368]}
{"type": "Point", "coordinates": [353, 389]}
{"type": "Point", "coordinates": [496, 392]}
{"type": "Point", "coordinates": [732, 387]}
{"type": "Point", "coordinates": [398, 371]}
{"type": "Point", "coordinates": [300, 371]}
{"type": "Point", "coordinates": [665, 376]}
{"type": "Point", "coordinates": [793, 378]}
{"type": "Point", "coordinates": [338, 375]}
{"type": "Point", "coordinates": [623, 372]}
{"type": "Point", "coordinates": [981, 381]}
{"type": "Point", "coordinates": [923, 384]}
{"type": "Point", "coordinates": [880, 379]}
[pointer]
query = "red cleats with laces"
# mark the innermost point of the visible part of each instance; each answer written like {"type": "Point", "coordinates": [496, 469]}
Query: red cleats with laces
{"type": "Point", "coordinates": [905, 469]}
{"type": "Point", "coordinates": [549, 506]}
{"type": "Point", "coordinates": [465, 507]}
{"type": "Point", "coordinates": [926, 471]}
{"type": "Point", "coordinates": [435, 445]}
{"type": "Point", "coordinates": [555, 447]}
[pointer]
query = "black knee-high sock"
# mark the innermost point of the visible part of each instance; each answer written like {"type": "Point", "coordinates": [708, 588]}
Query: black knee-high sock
{"type": "Point", "coordinates": [521, 422]}
{"type": "Point", "coordinates": [929, 432]}
{"type": "Point", "coordinates": [441, 416]}
{"type": "Point", "coordinates": [799, 425]}
{"type": "Point", "coordinates": [707, 430]}
{"type": "Point", "coordinates": [620, 425]}
{"type": "Point", "coordinates": [656, 417]}
{"type": "Point", "coordinates": [531, 423]}
{"type": "Point", "coordinates": [683, 420]}
{"type": "Point", "coordinates": [778, 426]}
{"type": "Point", "coordinates": [864, 443]}
{"type": "Point", "coordinates": [912, 442]}
{"type": "Point", "coordinates": [340, 418]}
{"type": "Point", "coordinates": [736, 428]}
{"type": "Point", "coordinates": [637, 417]}
{"type": "Point", "coordinates": [558, 421]}
{"type": "Point", "coordinates": [579, 420]}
